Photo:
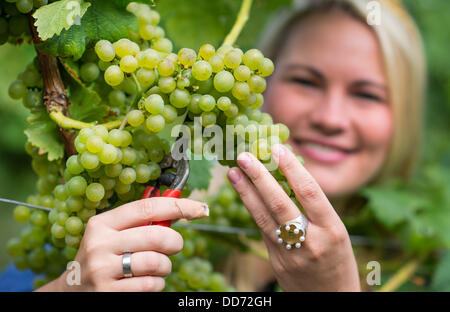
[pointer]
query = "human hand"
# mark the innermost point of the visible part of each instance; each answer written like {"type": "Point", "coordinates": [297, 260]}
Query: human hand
{"type": "Point", "coordinates": [325, 261]}
{"type": "Point", "coordinates": [111, 234]}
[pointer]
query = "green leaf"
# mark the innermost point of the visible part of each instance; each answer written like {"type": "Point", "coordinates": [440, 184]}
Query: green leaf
{"type": "Point", "coordinates": [51, 19]}
{"type": "Point", "coordinates": [200, 174]}
{"type": "Point", "coordinates": [44, 134]}
{"type": "Point", "coordinates": [441, 277]}
{"type": "Point", "coordinates": [390, 206]}
{"type": "Point", "coordinates": [103, 20]}
{"type": "Point", "coordinates": [86, 103]}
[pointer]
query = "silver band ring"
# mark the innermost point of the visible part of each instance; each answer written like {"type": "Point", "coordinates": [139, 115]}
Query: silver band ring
{"type": "Point", "coordinates": [126, 264]}
{"type": "Point", "coordinates": [292, 233]}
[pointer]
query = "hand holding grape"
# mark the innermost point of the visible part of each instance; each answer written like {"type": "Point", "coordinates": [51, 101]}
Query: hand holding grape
{"type": "Point", "coordinates": [325, 262]}
{"type": "Point", "coordinates": [111, 234]}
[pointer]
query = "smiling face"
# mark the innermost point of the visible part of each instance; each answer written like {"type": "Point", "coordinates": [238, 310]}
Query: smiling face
{"type": "Point", "coordinates": [329, 88]}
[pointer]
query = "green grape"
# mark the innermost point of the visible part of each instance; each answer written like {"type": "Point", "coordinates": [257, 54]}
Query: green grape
{"type": "Point", "coordinates": [122, 188]}
{"type": "Point", "coordinates": [73, 165]}
{"type": "Point", "coordinates": [95, 192]}
{"type": "Point", "coordinates": [146, 32]}
{"type": "Point", "coordinates": [74, 225]}
{"type": "Point", "coordinates": [17, 90]}
{"type": "Point", "coordinates": [15, 247]}
{"type": "Point", "coordinates": [126, 138]}
{"type": "Point", "coordinates": [61, 218]}
{"type": "Point", "coordinates": [115, 137]}
{"type": "Point", "coordinates": [128, 64]}
{"type": "Point", "coordinates": [217, 282]}
{"type": "Point", "coordinates": [60, 192]}
{"type": "Point", "coordinates": [261, 149]}
{"type": "Point", "coordinates": [155, 170]}
{"type": "Point", "coordinates": [146, 77]}
{"type": "Point", "coordinates": [114, 75]}
{"type": "Point", "coordinates": [226, 197]}
{"type": "Point", "coordinates": [162, 45]}
{"type": "Point", "coordinates": [158, 32]}
{"type": "Point", "coordinates": [129, 156]}
{"type": "Point", "coordinates": [89, 72]}
{"type": "Point", "coordinates": [117, 98]}
{"type": "Point", "coordinates": [125, 47]}
{"type": "Point", "coordinates": [76, 186]}
{"type": "Point", "coordinates": [167, 84]}
{"type": "Point", "coordinates": [101, 131]}
{"type": "Point", "coordinates": [201, 70]}
{"type": "Point", "coordinates": [232, 112]}
{"type": "Point", "coordinates": [208, 118]}
{"type": "Point", "coordinates": [169, 113]}
{"type": "Point", "coordinates": [89, 160]}
{"type": "Point", "coordinates": [108, 154]}
{"type": "Point", "coordinates": [142, 173]}
{"type": "Point", "coordinates": [207, 103]}
{"type": "Point", "coordinates": [255, 115]}
{"type": "Point", "coordinates": [257, 84]}
{"type": "Point", "coordinates": [156, 154]}
{"type": "Point", "coordinates": [58, 231]}
{"type": "Point", "coordinates": [108, 183]}
{"type": "Point", "coordinates": [187, 57]}
{"type": "Point", "coordinates": [232, 59]}
{"type": "Point", "coordinates": [148, 58]}
{"type": "Point", "coordinates": [223, 81]}
{"type": "Point", "coordinates": [105, 50]}
{"type": "Point", "coordinates": [154, 104]}
{"type": "Point", "coordinates": [180, 98]}
{"type": "Point", "coordinates": [253, 58]}
{"type": "Point", "coordinates": [240, 90]}
{"type": "Point", "coordinates": [18, 25]}
{"type": "Point", "coordinates": [155, 123]}
{"type": "Point", "coordinates": [266, 119]}
{"type": "Point", "coordinates": [258, 101]}
{"type": "Point", "coordinates": [72, 240]}
{"type": "Point", "coordinates": [193, 104]}
{"type": "Point", "coordinates": [113, 171]}
{"type": "Point", "coordinates": [183, 83]}
{"type": "Point", "coordinates": [3, 26]}
{"type": "Point", "coordinates": [127, 176]}
{"type": "Point", "coordinates": [206, 51]}
{"type": "Point", "coordinates": [31, 78]}
{"type": "Point", "coordinates": [22, 214]}
{"type": "Point", "coordinates": [94, 144]}
{"type": "Point", "coordinates": [242, 73]}
{"type": "Point", "coordinates": [135, 117]}
{"type": "Point", "coordinates": [265, 67]}
{"type": "Point", "coordinates": [283, 132]}
{"type": "Point", "coordinates": [24, 6]}
{"type": "Point", "coordinates": [223, 103]}
{"type": "Point", "coordinates": [166, 67]}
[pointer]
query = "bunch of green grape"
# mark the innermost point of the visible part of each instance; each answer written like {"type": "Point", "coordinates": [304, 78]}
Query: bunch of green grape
{"type": "Point", "coordinates": [14, 27]}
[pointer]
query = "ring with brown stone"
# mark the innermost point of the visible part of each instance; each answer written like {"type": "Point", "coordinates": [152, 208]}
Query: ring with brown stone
{"type": "Point", "coordinates": [293, 232]}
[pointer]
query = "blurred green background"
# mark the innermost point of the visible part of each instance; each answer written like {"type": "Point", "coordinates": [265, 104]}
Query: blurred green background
{"type": "Point", "coordinates": [433, 17]}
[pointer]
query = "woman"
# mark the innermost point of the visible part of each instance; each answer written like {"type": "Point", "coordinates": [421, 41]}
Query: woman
{"type": "Point", "coordinates": [351, 95]}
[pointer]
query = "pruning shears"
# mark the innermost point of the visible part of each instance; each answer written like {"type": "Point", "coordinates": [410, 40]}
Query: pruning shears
{"type": "Point", "coordinates": [175, 182]}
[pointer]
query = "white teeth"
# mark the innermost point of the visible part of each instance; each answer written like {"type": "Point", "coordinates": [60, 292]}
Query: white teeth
{"type": "Point", "coordinates": [322, 148]}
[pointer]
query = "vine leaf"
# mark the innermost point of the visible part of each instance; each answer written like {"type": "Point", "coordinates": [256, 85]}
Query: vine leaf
{"type": "Point", "coordinates": [441, 277]}
{"type": "Point", "coordinates": [53, 18]}
{"type": "Point", "coordinates": [200, 174]}
{"type": "Point", "coordinates": [103, 20]}
{"type": "Point", "coordinates": [43, 134]}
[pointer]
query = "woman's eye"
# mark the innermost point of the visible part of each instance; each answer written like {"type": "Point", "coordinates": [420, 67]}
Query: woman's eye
{"type": "Point", "coordinates": [369, 96]}
{"type": "Point", "coordinates": [304, 81]}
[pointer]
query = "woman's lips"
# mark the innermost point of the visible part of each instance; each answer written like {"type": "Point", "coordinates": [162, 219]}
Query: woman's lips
{"type": "Point", "coordinates": [321, 152]}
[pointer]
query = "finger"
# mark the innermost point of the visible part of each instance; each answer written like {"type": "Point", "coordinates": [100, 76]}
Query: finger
{"type": "Point", "coordinates": [139, 283]}
{"type": "Point", "coordinates": [146, 263]}
{"type": "Point", "coordinates": [149, 238]}
{"type": "Point", "coordinates": [305, 187]}
{"type": "Point", "coordinates": [143, 211]}
{"type": "Point", "coordinates": [252, 201]}
{"type": "Point", "coordinates": [278, 202]}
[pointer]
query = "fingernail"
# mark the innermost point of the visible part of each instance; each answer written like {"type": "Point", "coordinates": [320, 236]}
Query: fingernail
{"type": "Point", "coordinates": [244, 161]}
{"type": "Point", "coordinates": [234, 175]}
{"type": "Point", "coordinates": [278, 151]}
{"type": "Point", "coordinates": [192, 209]}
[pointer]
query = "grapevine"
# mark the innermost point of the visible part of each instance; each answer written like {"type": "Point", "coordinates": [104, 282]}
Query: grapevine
{"type": "Point", "coordinates": [109, 106]}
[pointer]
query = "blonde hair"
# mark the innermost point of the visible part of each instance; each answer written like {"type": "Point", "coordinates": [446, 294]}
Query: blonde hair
{"type": "Point", "coordinates": [404, 64]}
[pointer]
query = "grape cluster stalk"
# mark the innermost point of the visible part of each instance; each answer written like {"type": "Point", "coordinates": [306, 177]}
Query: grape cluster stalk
{"type": "Point", "coordinates": [147, 87]}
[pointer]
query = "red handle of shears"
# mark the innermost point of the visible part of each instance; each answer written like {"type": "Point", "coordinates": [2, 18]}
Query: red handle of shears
{"type": "Point", "coordinates": [168, 193]}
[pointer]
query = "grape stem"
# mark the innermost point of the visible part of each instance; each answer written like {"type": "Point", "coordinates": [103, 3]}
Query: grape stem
{"type": "Point", "coordinates": [135, 100]}
{"type": "Point", "coordinates": [239, 24]}
{"type": "Point", "coordinates": [69, 123]}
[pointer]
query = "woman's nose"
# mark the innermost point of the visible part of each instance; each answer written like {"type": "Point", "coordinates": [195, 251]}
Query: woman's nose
{"type": "Point", "coordinates": [330, 115]}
